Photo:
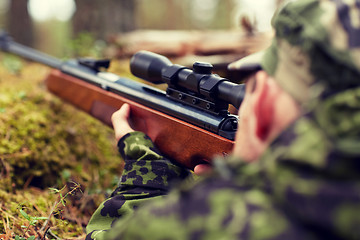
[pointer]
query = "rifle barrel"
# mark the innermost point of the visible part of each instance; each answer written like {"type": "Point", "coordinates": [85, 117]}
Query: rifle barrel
{"type": "Point", "coordinates": [8, 45]}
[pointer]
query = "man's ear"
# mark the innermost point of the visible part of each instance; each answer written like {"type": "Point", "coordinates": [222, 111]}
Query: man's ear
{"type": "Point", "coordinates": [263, 104]}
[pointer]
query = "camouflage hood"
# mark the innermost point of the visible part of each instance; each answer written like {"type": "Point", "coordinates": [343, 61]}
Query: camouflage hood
{"type": "Point", "coordinates": [315, 56]}
{"type": "Point", "coordinates": [312, 168]}
{"type": "Point", "coordinates": [316, 48]}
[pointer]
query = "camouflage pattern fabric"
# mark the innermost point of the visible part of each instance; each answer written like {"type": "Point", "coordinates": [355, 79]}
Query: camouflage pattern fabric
{"type": "Point", "coordinates": [147, 175]}
{"type": "Point", "coordinates": [305, 186]}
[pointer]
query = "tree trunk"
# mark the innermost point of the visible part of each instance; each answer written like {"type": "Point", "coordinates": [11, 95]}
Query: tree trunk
{"type": "Point", "coordinates": [19, 22]}
{"type": "Point", "coordinates": [104, 17]}
{"type": "Point", "coordinates": [119, 16]}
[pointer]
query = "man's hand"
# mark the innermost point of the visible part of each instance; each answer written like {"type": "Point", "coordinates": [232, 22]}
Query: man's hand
{"type": "Point", "coordinates": [120, 121]}
{"type": "Point", "coordinates": [121, 125]}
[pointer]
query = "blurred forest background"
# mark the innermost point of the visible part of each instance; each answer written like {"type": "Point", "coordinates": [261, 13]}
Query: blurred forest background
{"type": "Point", "coordinates": [49, 25]}
{"type": "Point", "coordinates": [48, 144]}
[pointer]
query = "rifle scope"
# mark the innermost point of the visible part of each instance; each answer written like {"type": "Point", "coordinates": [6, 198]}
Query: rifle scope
{"type": "Point", "coordinates": [200, 81]}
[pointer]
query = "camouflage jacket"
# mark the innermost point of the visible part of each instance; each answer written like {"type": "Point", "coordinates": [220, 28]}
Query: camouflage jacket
{"type": "Point", "coordinates": [306, 186]}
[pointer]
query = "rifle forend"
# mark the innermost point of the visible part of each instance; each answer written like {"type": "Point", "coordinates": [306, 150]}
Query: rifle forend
{"type": "Point", "coordinates": [182, 130]}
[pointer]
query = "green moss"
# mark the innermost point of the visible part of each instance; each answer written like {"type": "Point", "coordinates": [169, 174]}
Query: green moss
{"type": "Point", "coordinates": [41, 136]}
{"type": "Point", "coordinates": [45, 142]}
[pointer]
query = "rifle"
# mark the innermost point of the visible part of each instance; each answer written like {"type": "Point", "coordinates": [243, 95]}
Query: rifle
{"type": "Point", "coordinates": [189, 122]}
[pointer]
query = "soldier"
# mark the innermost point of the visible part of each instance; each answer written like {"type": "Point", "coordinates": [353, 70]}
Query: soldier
{"type": "Point", "coordinates": [300, 121]}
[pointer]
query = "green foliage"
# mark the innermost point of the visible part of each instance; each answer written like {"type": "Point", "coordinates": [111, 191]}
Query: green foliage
{"type": "Point", "coordinates": [12, 63]}
{"type": "Point", "coordinates": [33, 222]}
{"type": "Point", "coordinates": [85, 45]}
{"type": "Point", "coordinates": [17, 237]}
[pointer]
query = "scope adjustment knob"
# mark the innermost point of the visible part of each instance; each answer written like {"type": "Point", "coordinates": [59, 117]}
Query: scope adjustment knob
{"type": "Point", "coordinates": [202, 67]}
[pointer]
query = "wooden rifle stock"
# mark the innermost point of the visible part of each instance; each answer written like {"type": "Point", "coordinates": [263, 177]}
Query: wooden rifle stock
{"type": "Point", "coordinates": [185, 143]}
